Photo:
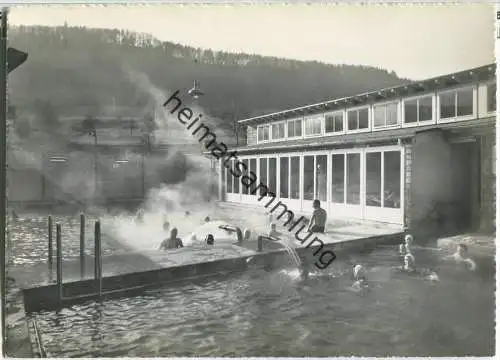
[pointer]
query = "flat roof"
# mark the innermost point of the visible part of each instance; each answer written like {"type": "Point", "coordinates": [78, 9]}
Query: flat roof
{"type": "Point", "coordinates": [481, 73]}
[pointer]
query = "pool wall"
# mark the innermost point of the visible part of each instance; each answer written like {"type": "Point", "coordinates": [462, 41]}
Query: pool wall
{"type": "Point", "coordinates": [46, 297]}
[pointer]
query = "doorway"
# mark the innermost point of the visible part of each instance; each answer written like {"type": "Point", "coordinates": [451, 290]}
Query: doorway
{"type": "Point", "coordinates": [465, 184]}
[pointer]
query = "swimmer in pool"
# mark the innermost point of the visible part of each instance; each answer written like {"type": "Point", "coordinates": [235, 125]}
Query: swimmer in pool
{"type": "Point", "coordinates": [166, 226]}
{"type": "Point", "coordinates": [172, 242]}
{"type": "Point", "coordinates": [140, 216]}
{"type": "Point", "coordinates": [187, 213]}
{"type": "Point", "coordinates": [207, 219]}
{"type": "Point", "coordinates": [209, 240]}
{"type": "Point", "coordinates": [359, 278]}
{"type": "Point", "coordinates": [409, 263]}
{"type": "Point", "coordinates": [410, 268]}
{"type": "Point", "coordinates": [273, 232]}
{"type": "Point", "coordinates": [246, 235]}
{"type": "Point", "coordinates": [460, 256]}
{"type": "Point", "coordinates": [406, 245]}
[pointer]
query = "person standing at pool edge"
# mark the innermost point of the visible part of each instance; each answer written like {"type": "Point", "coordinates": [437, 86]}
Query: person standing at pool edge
{"type": "Point", "coordinates": [318, 220]}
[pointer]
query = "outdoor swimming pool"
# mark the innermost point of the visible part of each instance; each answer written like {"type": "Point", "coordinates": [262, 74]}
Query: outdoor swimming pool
{"type": "Point", "coordinates": [277, 314]}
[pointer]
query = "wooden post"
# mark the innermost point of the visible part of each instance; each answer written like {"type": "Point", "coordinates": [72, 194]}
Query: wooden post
{"type": "Point", "coordinates": [82, 245]}
{"type": "Point", "coordinates": [50, 257]}
{"type": "Point", "coordinates": [98, 256]}
{"type": "Point", "coordinates": [259, 243]}
{"type": "Point", "coordinates": [59, 263]}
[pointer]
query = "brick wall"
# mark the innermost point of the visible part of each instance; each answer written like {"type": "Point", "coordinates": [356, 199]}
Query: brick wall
{"type": "Point", "coordinates": [251, 135]}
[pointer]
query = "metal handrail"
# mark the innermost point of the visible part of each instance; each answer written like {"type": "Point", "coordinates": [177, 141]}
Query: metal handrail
{"type": "Point", "coordinates": [40, 348]}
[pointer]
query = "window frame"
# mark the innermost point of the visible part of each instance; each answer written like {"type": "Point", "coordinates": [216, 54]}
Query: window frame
{"type": "Point", "coordinates": [344, 125]}
{"type": "Point", "coordinates": [370, 119]}
{"type": "Point", "coordinates": [487, 85]}
{"type": "Point", "coordinates": [384, 104]}
{"type": "Point", "coordinates": [264, 141]}
{"type": "Point", "coordinates": [456, 117]}
{"type": "Point", "coordinates": [418, 122]}
{"type": "Point", "coordinates": [301, 119]}
{"type": "Point", "coordinates": [271, 131]}
{"type": "Point", "coordinates": [321, 118]}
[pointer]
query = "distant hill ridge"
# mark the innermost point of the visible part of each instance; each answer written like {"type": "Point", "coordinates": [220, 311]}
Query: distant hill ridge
{"type": "Point", "coordinates": [75, 67]}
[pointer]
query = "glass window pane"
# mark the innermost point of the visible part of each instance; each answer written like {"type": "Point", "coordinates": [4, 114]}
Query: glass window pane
{"type": "Point", "coordinates": [374, 179]}
{"type": "Point", "coordinates": [352, 120]}
{"type": "Point", "coordinates": [339, 122]}
{"type": "Point", "coordinates": [321, 170]}
{"type": "Point", "coordinates": [229, 181]}
{"type": "Point", "coordinates": [379, 116]}
{"type": "Point", "coordinates": [308, 126]}
{"type": "Point", "coordinates": [425, 109]}
{"type": "Point", "coordinates": [491, 99]}
{"type": "Point", "coordinates": [298, 128]}
{"type": "Point", "coordinates": [392, 114]}
{"type": "Point", "coordinates": [447, 105]}
{"type": "Point", "coordinates": [244, 189]}
{"type": "Point", "coordinates": [353, 178]}
{"type": "Point", "coordinates": [263, 174]}
{"type": "Point", "coordinates": [329, 124]}
{"type": "Point", "coordinates": [291, 131]}
{"type": "Point", "coordinates": [236, 180]}
{"type": "Point", "coordinates": [272, 175]}
{"type": "Point", "coordinates": [317, 126]}
{"type": "Point", "coordinates": [295, 177]}
{"type": "Point", "coordinates": [275, 132]}
{"type": "Point", "coordinates": [411, 114]}
{"type": "Point", "coordinates": [308, 177]}
{"type": "Point", "coordinates": [284, 168]}
{"type": "Point", "coordinates": [253, 169]}
{"type": "Point", "coordinates": [392, 179]}
{"type": "Point", "coordinates": [338, 178]}
{"type": "Point", "coordinates": [465, 102]}
{"type": "Point", "coordinates": [363, 119]}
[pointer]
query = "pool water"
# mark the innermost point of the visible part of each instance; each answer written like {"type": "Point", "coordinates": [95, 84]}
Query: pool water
{"type": "Point", "coordinates": [276, 313]}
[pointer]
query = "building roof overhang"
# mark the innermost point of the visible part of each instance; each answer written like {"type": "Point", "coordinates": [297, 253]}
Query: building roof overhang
{"type": "Point", "coordinates": [481, 73]}
{"type": "Point", "coordinates": [473, 127]}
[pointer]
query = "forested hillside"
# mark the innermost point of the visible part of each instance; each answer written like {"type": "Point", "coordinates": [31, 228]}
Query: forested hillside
{"type": "Point", "coordinates": [70, 67]}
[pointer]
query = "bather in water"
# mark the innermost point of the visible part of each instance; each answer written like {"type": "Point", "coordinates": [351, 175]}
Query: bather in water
{"type": "Point", "coordinates": [139, 218]}
{"type": "Point", "coordinates": [360, 282]}
{"type": "Point", "coordinates": [409, 267]}
{"type": "Point", "coordinates": [460, 257]}
{"type": "Point", "coordinates": [209, 240]}
{"type": "Point", "coordinates": [172, 242]}
{"type": "Point", "coordinates": [207, 219]}
{"type": "Point", "coordinates": [166, 226]}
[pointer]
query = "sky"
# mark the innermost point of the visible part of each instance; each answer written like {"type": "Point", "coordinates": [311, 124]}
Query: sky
{"type": "Point", "coordinates": [415, 41]}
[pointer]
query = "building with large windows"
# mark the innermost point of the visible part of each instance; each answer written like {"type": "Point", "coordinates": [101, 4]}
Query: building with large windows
{"type": "Point", "coordinates": [419, 155]}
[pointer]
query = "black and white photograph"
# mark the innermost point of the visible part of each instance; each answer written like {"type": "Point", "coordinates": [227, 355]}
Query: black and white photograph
{"type": "Point", "coordinates": [248, 179]}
